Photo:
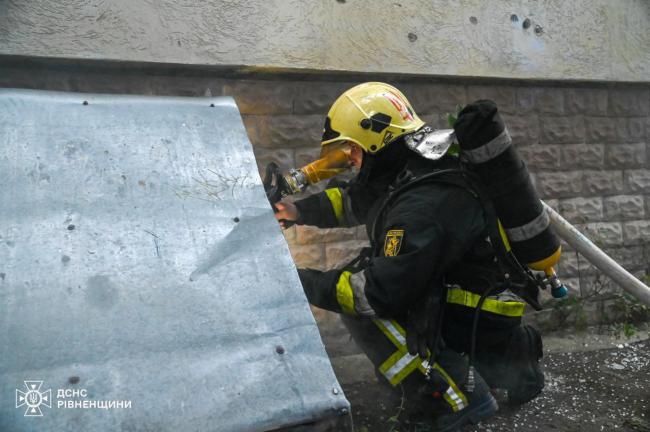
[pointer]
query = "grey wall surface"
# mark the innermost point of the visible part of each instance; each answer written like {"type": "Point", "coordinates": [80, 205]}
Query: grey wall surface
{"type": "Point", "coordinates": [544, 39]}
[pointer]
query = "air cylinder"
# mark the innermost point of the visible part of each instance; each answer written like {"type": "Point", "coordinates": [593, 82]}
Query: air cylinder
{"type": "Point", "coordinates": [487, 146]}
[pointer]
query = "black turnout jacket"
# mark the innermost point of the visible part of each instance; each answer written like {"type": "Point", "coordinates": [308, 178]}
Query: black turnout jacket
{"type": "Point", "coordinates": [423, 233]}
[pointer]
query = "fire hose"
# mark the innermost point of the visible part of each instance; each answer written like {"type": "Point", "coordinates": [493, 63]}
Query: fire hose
{"type": "Point", "coordinates": [598, 258]}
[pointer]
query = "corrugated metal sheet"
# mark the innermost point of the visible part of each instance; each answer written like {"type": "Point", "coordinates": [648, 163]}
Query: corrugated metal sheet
{"type": "Point", "coordinates": [140, 261]}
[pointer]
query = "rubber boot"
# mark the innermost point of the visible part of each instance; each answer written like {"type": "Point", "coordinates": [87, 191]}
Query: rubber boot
{"type": "Point", "coordinates": [527, 379]}
{"type": "Point", "coordinates": [514, 365]}
{"type": "Point", "coordinates": [463, 400]}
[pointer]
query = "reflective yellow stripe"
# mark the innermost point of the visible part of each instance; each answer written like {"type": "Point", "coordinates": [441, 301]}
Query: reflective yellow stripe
{"type": "Point", "coordinates": [412, 365]}
{"type": "Point", "coordinates": [453, 395]}
{"type": "Point", "coordinates": [398, 366]}
{"type": "Point", "coordinates": [453, 399]}
{"type": "Point", "coordinates": [344, 294]}
{"type": "Point", "coordinates": [508, 308]}
{"type": "Point", "coordinates": [385, 366]}
{"type": "Point", "coordinates": [504, 236]}
{"type": "Point", "coordinates": [401, 364]}
{"type": "Point", "coordinates": [398, 327]}
{"type": "Point", "coordinates": [336, 199]}
{"type": "Point", "coordinates": [388, 328]}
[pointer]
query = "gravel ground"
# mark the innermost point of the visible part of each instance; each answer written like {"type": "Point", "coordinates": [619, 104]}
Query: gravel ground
{"type": "Point", "coordinates": [599, 390]}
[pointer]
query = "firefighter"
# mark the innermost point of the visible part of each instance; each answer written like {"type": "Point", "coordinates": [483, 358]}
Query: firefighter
{"type": "Point", "coordinates": [409, 300]}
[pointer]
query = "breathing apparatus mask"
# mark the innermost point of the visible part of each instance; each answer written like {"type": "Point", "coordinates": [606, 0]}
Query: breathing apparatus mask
{"type": "Point", "coordinates": [334, 160]}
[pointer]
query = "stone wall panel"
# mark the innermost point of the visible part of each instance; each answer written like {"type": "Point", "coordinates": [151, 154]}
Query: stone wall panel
{"type": "Point", "coordinates": [637, 232]}
{"type": "Point", "coordinates": [436, 120]}
{"type": "Point", "coordinates": [305, 155]}
{"type": "Point", "coordinates": [541, 157]}
{"type": "Point", "coordinates": [503, 96]}
{"type": "Point", "coordinates": [625, 156]}
{"type": "Point", "coordinates": [559, 184]}
{"type": "Point", "coordinates": [605, 233]}
{"type": "Point", "coordinates": [282, 131]}
{"type": "Point", "coordinates": [630, 257]}
{"type": "Point", "coordinates": [562, 130]}
{"type": "Point", "coordinates": [614, 129]}
{"type": "Point", "coordinates": [603, 182]}
{"type": "Point", "coordinates": [316, 97]}
{"type": "Point", "coordinates": [434, 98]}
{"type": "Point", "coordinates": [572, 264]}
{"type": "Point", "coordinates": [283, 157]}
{"type": "Point", "coordinates": [524, 130]}
{"type": "Point", "coordinates": [582, 156]}
{"type": "Point", "coordinates": [624, 207]}
{"type": "Point", "coordinates": [581, 210]}
{"type": "Point", "coordinates": [544, 100]}
{"type": "Point", "coordinates": [587, 101]}
{"type": "Point", "coordinates": [638, 180]}
{"type": "Point", "coordinates": [633, 102]}
{"type": "Point", "coordinates": [261, 96]}
{"type": "Point", "coordinates": [157, 85]}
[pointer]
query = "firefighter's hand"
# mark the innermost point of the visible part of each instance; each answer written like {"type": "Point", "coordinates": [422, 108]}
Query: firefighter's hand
{"type": "Point", "coordinates": [287, 212]}
{"type": "Point", "coordinates": [421, 327]}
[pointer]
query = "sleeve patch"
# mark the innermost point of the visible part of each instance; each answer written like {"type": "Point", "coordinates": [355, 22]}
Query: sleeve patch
{"type": "Point", "coordinates": [393, 242]}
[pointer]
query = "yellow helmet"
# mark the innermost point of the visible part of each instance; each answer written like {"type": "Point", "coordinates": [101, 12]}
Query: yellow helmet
{"type": "Point", "coordinates": [372, 115]}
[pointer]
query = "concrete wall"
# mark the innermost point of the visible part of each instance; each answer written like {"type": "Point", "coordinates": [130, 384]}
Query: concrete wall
{"type": "Point", "coordinates": [538, 39]}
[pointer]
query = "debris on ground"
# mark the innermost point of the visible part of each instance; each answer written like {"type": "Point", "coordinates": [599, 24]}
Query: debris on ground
{"type": "Point", "coordinates": [607, 389]}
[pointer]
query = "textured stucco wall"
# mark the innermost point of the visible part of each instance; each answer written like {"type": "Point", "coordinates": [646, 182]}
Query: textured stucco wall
{"type": "Point", "coordinates": [580, 39]}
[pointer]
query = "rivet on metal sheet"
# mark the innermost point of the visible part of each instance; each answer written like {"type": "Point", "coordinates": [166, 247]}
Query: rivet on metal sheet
{"type": "Point", "coordinates": [236, 219]}
{"type": "Point", "coordinates": [279, 349]}
{"type": "Point", "coordinates": [335, 391]}
{"type": "Point", "coordinates": [85, 103]}
{"type": "Point", "coordinates": [70, 227]}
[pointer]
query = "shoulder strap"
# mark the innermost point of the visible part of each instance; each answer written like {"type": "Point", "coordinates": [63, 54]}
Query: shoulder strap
{"type": "Point", "coordinates": [497, 234]}
{"type": "Point", "coordinates": [506, 258]}
{"type": "Point", "coordinates": [465, 179]}
{"type": "Point", "coordinates": [406, 183]}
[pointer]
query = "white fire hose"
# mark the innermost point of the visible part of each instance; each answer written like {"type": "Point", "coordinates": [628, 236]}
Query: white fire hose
{"type": "Point", "coordinates": [598, 258]}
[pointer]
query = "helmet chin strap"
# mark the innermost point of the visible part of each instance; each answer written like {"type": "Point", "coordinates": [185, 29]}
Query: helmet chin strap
{"type": "Point", "coordinates": [366, 168]}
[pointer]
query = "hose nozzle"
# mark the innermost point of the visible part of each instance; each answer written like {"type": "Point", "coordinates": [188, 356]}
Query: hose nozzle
{"type": "Point", "coordinates": [558, 289]}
